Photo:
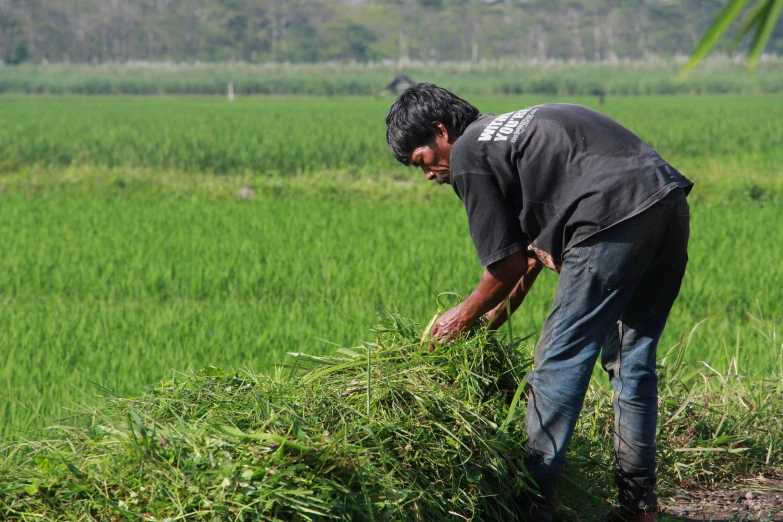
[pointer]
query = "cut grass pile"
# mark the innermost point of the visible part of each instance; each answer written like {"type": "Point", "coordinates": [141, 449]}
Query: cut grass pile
{"type": "Point", "coordinates": [383, 431]}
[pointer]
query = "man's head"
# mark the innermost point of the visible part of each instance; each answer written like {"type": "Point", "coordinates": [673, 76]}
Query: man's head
{"type": "Point", "coordinates": [422, 125]}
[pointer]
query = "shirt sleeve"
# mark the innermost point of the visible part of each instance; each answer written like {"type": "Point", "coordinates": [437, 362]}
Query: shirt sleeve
{"type": "Point", "coordinates": [493, 225]}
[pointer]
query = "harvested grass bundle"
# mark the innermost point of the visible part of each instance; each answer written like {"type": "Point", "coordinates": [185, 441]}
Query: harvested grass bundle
{"type": "Point", "coordinates": [384, 431]}
{"type": "Point", "coordinates": [380, 432]}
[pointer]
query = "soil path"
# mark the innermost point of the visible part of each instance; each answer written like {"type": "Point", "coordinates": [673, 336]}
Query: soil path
{"type": "Point", "coordinates": [757, 500]}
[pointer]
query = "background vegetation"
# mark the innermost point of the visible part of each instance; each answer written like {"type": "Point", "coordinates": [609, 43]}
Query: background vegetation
{"type": "Point", "coordinates": [85, 31]}
{"type": "Point", "coordinates": [498, 77]}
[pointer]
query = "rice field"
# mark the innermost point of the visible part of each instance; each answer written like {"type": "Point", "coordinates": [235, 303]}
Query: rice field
{"type": "Point", "coordinates": [128, 253]}
{"type": "Point", "coordinates": [288, 135]}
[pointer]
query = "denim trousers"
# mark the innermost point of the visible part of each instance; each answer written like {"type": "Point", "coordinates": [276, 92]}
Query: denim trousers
{"type": "Point", "coordinates": [615, 293]}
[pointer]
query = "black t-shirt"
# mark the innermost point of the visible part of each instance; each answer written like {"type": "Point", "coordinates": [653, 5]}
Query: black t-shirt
{"type": "Point", "coordinates": [549, 176]}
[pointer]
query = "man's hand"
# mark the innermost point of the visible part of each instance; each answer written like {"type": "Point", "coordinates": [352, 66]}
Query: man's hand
{"type": "Point", "coordinates": [499, 280]}
{"type": "Point", "coordinates": [450, 325]}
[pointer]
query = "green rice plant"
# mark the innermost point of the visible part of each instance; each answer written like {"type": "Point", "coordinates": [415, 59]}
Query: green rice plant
{"type": "Point", "coordinates": [111, 278]}
{"type": "Point", "coordinates": [284, 136]}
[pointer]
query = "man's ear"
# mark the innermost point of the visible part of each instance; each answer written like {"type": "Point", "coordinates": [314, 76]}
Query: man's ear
{"type": "Point", "coordinates": [441, 131]}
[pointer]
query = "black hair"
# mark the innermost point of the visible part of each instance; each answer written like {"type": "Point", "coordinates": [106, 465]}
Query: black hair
{"type": "Point", "coordinates": [409, 120]}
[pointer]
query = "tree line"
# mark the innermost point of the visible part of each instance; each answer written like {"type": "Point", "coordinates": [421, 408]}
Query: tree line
{"type": "Point", "coordinates": [87, 31]}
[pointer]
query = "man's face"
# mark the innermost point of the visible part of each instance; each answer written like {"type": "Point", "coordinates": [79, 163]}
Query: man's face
{"type": "Point", "coordinates": [434, 159]}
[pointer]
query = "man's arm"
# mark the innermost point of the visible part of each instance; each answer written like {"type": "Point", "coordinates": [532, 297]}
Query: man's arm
{"type": "Point", "coordinates": [499, 279]}
{"type": "Point", "coordinates": [498, 315]}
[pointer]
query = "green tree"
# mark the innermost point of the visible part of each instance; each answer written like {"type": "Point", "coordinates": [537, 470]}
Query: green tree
{"type": "Point", "coordinates": [347, 40]}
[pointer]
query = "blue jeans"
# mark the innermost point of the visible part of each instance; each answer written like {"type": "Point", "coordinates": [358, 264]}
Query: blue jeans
{"type": "Point", "coordinates": [615, 293]}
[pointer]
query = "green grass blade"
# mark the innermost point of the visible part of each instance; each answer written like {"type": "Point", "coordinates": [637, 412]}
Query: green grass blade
{"type": "Point", "coordinates": [262, 437]}
{"type": "Point", "coordinates": [369, 379]}
{"type": "Point", "coordinates": [508, 319]}
{"type": "Point", "coordinates": [514, 403]}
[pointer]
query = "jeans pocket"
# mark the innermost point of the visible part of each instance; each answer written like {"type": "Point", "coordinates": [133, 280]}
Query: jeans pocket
{"type": "Point", "coordinates": [617, 256]}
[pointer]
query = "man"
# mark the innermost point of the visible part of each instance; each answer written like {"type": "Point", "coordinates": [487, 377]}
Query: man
{"type": "Point", "coordinates": [565, 187]}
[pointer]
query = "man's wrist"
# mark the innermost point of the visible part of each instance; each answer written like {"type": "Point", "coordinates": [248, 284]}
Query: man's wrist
{"type": "Point", "coordinates": [469, 314]}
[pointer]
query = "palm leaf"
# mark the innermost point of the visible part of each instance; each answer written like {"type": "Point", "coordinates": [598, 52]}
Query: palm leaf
{"type": "Point", "coordinates": [754, 19]}
{"type": "Point", "coordinates": [761, 19]}
{"type": "Point", "coordinates": [765, 31]}
{"type": "Point", "coordinates": [713, 34]}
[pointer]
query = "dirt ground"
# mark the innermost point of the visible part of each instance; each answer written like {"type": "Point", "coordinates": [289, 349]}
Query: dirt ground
{"type": "Point", "coordinates": [757, 500]}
